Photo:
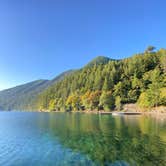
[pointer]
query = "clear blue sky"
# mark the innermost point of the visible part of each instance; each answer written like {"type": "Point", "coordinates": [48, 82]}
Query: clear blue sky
{"type": "Point", "coordinates": [42, 38]}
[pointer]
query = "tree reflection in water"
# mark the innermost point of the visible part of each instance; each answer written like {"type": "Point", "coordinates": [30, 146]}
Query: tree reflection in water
{"type": "Point", "coordinates": [107, 140]}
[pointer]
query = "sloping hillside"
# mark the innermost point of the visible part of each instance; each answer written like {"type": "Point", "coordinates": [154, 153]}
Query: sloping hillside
{"type": "Point", "coordinates": [103, 83]}
{"type": "Point", "coordinates": [24, 97]}
{"type": "Point", "coordinates": [108, 84]}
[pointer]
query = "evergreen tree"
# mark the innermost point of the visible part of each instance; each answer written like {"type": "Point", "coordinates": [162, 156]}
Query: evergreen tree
{"type": "Point", "coordinates": [52, 105]}
{"type": "Point", "coordinates": [106, 85]}
{"type": "Point", "coordinates": [150, 49]}
{"type": "Point", "coordinates": [73, 102]}
{"type": "Point", "coordinates": [118, 103]}
{"type": "Point", "coordinates": [154, 88]}
{"type": "Point", "coordinates": [131, 80]}
{"type": "Point", "coordinates": [107, 101]}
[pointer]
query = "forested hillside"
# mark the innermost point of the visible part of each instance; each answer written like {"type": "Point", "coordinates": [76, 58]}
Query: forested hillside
{"type": "Point", "coordinates": [21, 96]}
{"type": "Point", "coordinates": [24, 97]}
{"type": "Point", "coordinates": [107, 84]}
{"type": "Point", "coordinates": [102, 84]}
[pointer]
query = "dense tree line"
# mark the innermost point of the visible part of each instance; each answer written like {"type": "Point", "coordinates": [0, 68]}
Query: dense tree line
{"type": "Point", "coordinates": [23, 97]}
{"type": "Point", "coordinates": [108, 84]}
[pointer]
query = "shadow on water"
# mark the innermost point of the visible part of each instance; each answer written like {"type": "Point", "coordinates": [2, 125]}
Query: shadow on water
{"type": "Point", "coordinates": [107, 140]}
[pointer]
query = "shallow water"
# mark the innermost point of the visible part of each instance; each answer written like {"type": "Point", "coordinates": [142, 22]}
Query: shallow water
{"type": "Point", "coordinates": [50, 139]}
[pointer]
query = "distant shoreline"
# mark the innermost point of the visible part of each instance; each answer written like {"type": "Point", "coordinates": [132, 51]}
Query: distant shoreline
{"type": "Point", "coordinates": [154, 112]}
{"type": "Point", "coordinates": [122, 112]}
{"type": "Point", "coordinates": [158, 111]}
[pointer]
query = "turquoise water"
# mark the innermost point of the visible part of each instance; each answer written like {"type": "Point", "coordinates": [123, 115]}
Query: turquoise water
{"type": "Point", "coordinates": [59, 139]}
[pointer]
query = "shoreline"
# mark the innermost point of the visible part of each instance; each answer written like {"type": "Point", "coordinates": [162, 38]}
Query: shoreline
{"type": "Point", "coordinates": [155, 114]}
{"type": "Point", "coordinates": [126, 109]}
{"type": "Point", "coordinates": [102, 112]}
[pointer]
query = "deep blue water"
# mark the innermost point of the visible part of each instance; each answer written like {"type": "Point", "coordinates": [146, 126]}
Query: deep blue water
{"type": "Point", "coordinates": [59, 139]}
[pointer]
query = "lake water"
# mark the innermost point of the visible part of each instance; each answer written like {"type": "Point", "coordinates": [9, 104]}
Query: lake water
{"type": "Point", "coordinates": [75, 139]}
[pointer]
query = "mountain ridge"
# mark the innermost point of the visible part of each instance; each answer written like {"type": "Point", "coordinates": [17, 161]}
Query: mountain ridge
{"type": "Point", "coordinates": [26, 93]}
{"type": "Point", "coordinates": [111, 81]}
{"type": "Point", "coordinates": [98, 60]}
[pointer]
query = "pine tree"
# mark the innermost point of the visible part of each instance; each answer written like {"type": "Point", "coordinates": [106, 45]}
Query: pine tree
{"type": "Point", "coordinates": [107, 101]}
{"type": "Point", "coordinates": [118, 103]}
{"type": "Point", "coordinates": [154, 88]}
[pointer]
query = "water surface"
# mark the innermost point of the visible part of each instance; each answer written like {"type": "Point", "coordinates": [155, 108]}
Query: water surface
{"type": "Point", "coordinates": [59, 139]}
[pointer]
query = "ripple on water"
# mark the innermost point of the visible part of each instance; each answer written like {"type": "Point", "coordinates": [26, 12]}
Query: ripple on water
{"type": "Point", "coordinates": [76, 139]}
{"type": "Point", "coordinates": [18, 152]}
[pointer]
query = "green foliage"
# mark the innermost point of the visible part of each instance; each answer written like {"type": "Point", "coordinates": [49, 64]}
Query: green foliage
{"type": "Point", "coordinates": [86, 100]}
{"type": "Point", "coordinates": [94, 99]}
{"type": "Point", "coordinates": [26, 97]}
{"type": "Point", "coordinates": [52, 105]}
{"type": "Point", "coordinates": [107, 100]}
{"type": "Point", "coordinates": [118, 103]}
{"type": "Point", "coordinates": [106, 84]}
{"type": "Point", "coordinates": [150, 49]}
{"type": "Point", "coordinates": [98, 60]}
{"type": "Point", "coordinates": [128, 80]}
{"type": "Point", "coordinates": [154, 88]}
{"type": "Point", "coordinates": [22, 97]}
{"type": "Point", "coordinates": [163, 96]}
{"type": "Point", "coordinates": [102, 83]}
{"type": "Point", "coordinates": [153, 96]}
{"type": "Point", "coordinates": [143, 100]}
{"type": "Point", "coordinates": [73, 102]}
